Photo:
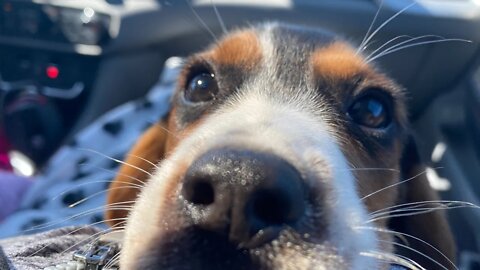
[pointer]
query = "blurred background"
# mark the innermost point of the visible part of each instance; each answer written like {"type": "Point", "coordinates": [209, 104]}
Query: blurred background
{"type": "Point", "coordinates": [63, 63]}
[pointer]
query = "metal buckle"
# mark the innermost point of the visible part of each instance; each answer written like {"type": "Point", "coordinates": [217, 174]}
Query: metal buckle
{"type": "Point", "coordinates": [96, 256]}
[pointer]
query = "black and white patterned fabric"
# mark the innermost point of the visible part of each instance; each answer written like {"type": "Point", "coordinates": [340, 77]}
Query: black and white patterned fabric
{"type": "Point", "coordinates": [46, 249]}
{"type": "Point", "coordinates": [82, 170]}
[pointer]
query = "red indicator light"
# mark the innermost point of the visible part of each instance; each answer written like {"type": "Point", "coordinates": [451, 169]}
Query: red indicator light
{"type": "Point", "coordinates": [52, 72]}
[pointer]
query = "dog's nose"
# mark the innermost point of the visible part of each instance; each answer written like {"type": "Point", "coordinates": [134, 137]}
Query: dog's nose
{"type": "Point", "coordinates": [248, 195]}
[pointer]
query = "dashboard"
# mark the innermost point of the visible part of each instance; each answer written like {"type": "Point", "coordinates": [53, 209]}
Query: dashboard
{"type": "Point", "coordinates": [65, 62]}
{"type": "Point", "coordinates": [58, 71]}
{"type": "Point", "coordinates": [47, 68]}
{"type": "Point", "coordinates": [53, 23]}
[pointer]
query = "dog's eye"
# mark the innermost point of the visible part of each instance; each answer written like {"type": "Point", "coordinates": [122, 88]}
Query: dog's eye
{"type": "Point", "coordinates": [371, 111]}
{"type": "Point", "coordinates": [201, 87]}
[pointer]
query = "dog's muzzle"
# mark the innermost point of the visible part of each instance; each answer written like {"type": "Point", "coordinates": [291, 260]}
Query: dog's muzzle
{"type": "Point", "coordinates": [103, 252]}
{"type": "Point", "coordinates": [248, 196]}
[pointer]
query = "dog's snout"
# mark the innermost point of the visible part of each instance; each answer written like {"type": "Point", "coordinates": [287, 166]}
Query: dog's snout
{"type": "Point", "coordinates": [249, 195]}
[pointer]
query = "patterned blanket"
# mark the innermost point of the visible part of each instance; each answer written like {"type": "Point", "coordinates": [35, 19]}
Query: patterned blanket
{"type": "Point", "coordinates": [71, 190]}
{"type": "Point", "coordinates": [38, 251]}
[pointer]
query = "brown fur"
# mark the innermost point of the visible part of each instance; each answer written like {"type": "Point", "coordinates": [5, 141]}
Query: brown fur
{"type": "Point", "coordinates": [337, 61]}
{"type": "Point", "coordinates": [154, 145]}
{"type": "Point", "coordinates": [240, 49]}
{"type": "Point", "coordinates": [150, 146]}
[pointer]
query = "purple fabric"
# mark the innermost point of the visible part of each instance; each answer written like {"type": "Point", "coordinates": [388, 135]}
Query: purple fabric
{"type": "Point", "coordinates": [12, 189]}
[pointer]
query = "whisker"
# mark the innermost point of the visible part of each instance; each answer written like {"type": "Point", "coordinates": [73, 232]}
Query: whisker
{"type": "Point", "coordinates": [414, 209]}
{"type": "Point", "coordinates": [395, 258]}
{"type": "Point", "coordinates": [142, 183]}
{"type": "Point", "coordinates": [418, 44]}
{"type": "Point", "coordinates": [410, 260]}
{"type": "Point", "coordinates": [371, 56]}
{"type": "Point", "coordinates": [421, 203]}
{"type": "Point", "coordinates": [197, 16]}
{"type": "Point", "coordinates": [113, 260]}
{"type": "Point", "coordinates": [112, 206]}
{"type": "Point", "coordinates": [99, 193]}
{"type": "Point", "coordinates": [416, 251]}
{"type": "Point", "coordinates": [388, 21]}
{"type": "Point", "coordinates": [410, 236]}
{"type": "Point", "coordinates": [392, 185]}
{"type": "Point", "coordinates": [370, 44]}
{"type": "Point", "coordinates": [419, 212]}
{"type": "Point", "coordinates": [405, 42]}
{"type": "Point", "coordinates": [374, 169]}
{"type": "Point", "coordinates": [164, 128]}
{"type": "Point", "coordinates": [386, 44]}
{"type": "Point", "coordinates": [144, 159]}
{"type": "Point", "coordinates": [362, 44]}
{"type": "Point", "coordinates": [70, 233]}
{"type": "Point", "coordinates": [93, 182]}
{"type": "Point", "coordinates": [94, 237]}
{"type": "Point", "coordinates": [418, 203]}
{"type": "Point", "coordinates": [220, 20]}
{"type": "Point", "coordinates": [115, 160]}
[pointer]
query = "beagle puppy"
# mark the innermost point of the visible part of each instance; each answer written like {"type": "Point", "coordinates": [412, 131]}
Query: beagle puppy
{"type": "Point", "coordinates": [283, 149]}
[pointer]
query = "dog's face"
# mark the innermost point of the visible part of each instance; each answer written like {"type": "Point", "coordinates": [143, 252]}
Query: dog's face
{"type": "Point", "coordinates": [279, 144]}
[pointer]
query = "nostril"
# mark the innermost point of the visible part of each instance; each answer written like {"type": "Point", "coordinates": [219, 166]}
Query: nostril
{"type": "Point", "coordinates": [250, 196]}
{"type": "Point", "coordinates": [278, 201]}
{"type": "Point", "coordinates": [270, 208]}
{"type": "Point", "coordinates": [199, 191]}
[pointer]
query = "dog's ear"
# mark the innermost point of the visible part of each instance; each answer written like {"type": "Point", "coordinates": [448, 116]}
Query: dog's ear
{"type": "Point", "coordinates": [432, 227]}
{"type": "Point", "coordinates": [124, 189]}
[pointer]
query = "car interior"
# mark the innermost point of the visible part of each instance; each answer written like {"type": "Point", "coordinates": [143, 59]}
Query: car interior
{"type": "Point", "coordinates": [64, 63]}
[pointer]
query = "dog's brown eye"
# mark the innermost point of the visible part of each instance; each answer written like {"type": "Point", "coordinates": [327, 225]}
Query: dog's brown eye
{"type": "Point", "coordinates": [371, 111]}
{"type": "Point", "coordinates": [201, 87]}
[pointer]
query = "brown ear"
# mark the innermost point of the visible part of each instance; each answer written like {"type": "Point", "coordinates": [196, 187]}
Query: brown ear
{"type": "Point", "coordinates": [149, 149]}
{"type": "Point", "coordinates": [432, 227]}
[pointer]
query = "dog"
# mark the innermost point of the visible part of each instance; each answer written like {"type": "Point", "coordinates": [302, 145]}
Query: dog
{"type": "Point", "coordinates": [284, 148]}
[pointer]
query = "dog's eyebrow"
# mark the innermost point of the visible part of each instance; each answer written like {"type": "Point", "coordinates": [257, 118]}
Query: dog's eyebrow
{"type": "Point", "coordinates": [240, 49]}
{"type": "Point", "coordinates": [337, 61]}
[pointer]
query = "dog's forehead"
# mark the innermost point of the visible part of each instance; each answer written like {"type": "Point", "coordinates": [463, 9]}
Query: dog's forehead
{"type": "Point", "coordinates": [284, 62]}
{"type": "Point", "coordinates": [240, 49]}
{"type": "Point", "coordinates": [290, 51]}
